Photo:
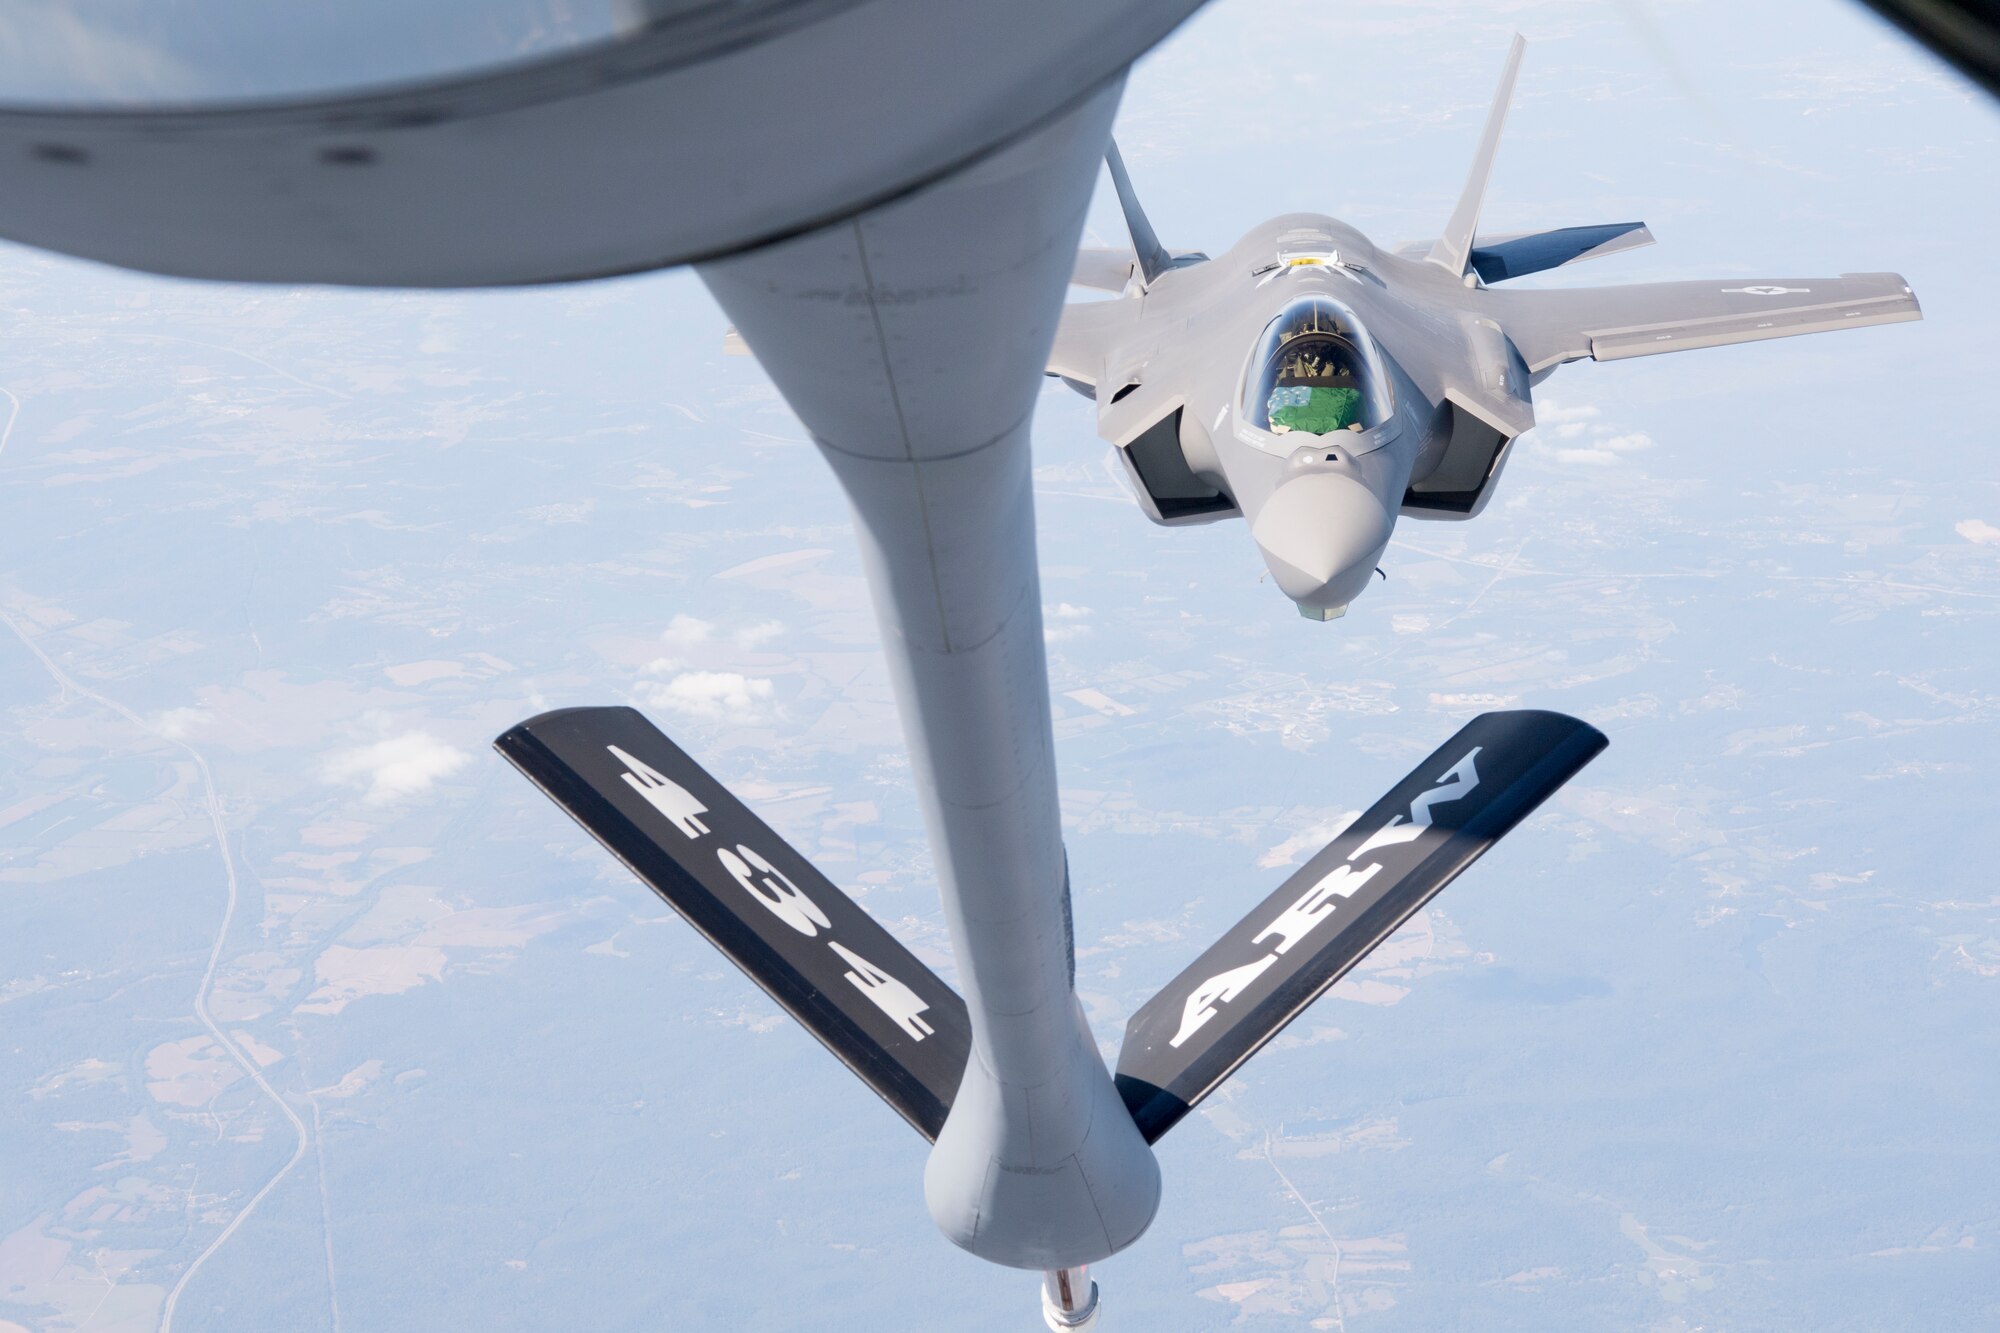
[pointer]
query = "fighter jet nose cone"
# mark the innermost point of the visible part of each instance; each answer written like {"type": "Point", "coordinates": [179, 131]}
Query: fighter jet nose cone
{"type": "Point", "coordinates": [1321, 534]}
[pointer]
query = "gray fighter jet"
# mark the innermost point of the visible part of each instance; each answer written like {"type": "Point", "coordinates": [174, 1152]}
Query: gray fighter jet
{"type": "Point", "coordinates": [1318, 385]}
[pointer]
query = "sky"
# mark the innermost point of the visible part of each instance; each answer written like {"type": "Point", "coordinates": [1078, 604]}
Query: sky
{"type": "Point", "coordinates": [1707, 1043]}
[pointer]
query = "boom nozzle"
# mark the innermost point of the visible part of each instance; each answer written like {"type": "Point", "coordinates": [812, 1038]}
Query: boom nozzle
{"type": "Point", "coordinates": [1069, 1299]}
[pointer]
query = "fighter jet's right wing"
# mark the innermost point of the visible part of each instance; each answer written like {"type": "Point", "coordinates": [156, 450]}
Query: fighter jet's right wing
{"type": "Point", "coordinates": [1611, 323]}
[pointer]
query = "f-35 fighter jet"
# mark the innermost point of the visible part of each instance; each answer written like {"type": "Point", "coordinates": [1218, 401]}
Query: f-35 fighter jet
{"type": "Point", "coordinates": [1319, 386]}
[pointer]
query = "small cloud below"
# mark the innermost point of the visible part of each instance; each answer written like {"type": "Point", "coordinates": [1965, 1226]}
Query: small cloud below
{"type": "Point", "coordinates": [180, 723]}
{"type": "Point", "coordinates": [685, 632]}
{"type": "Point", "coordinates": [1978, 532]}
{"type": "Point", "coordinates": [1306, 841]}
{"type": "Point", "coordinates": [1602, 448]}
{"type": "Point", "coordinates": [721, 696]}
{"type": "Point", "coordinates": [755, 636]}
{"type": "Point", "coordinates": [1063, 621]}
{"type": "Point", "coordinates": [1563, 421]}
{"type": "Point", "coordinates": [398, 768]}
{"type": "Point", "coordinates": [695, 681]}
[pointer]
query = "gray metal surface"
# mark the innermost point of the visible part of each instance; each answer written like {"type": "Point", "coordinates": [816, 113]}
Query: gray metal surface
{"type": "Point", "coordinates": [717, 128]}
{"type": "Point", "coordinates": [869, 330]}
{"type": "Point", "coordinates": [1445, 367]}
{"type": "Point", "coordinates": [97, 54]}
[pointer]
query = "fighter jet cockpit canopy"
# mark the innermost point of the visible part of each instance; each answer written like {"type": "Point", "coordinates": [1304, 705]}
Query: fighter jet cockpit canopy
{"type": "Point", "coordinates": [1314, 371]}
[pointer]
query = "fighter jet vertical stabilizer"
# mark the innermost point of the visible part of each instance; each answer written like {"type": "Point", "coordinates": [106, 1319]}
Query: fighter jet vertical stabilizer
{"type": "Point", "coordinates": [1152, 258]}
{"type": "Point", "coordinates": [1452, 249]}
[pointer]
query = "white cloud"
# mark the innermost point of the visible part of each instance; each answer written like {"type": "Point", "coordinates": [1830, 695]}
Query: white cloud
{"type": "Point", "coordinates": [1563, 421]}
{"type": "Point", "coordinates": [1291, 849]}
{"type": "Point", "coordinates": [757, 635]}
{"type": "Point", "coordinates": [397, 768]}
{"type": "Point", "coordinates": [1603, 448]}
{"type": "Point", "coordinates": [719, 695]}
{"type": "Point", "coordinates": [1627, 444]}
{"type": "Point", "coordinates": [1979, 531]}
{"type": "Point", "coordinates": [1551, 410]}
{"type": "Point", "coordinates": [1063, 621]}
{"type": "Point", "coordinates": [1585, 438]}
{"type": "Point", "coordinates": [177, 723]}
{"type": "Point", "coordinates": [683, 631]}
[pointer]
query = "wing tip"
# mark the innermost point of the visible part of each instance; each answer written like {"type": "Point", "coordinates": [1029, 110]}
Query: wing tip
{"type": "Point", "coordinates": [527, 727]}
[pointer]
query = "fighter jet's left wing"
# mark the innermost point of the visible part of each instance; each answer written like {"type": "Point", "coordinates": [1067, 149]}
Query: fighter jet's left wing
{"type": "Point", "coordinates": [1611, 323]}
{"type": "Point", "coordinates": [1111, 270]}
{"type": "Point", "coordinates": [1085, 337]}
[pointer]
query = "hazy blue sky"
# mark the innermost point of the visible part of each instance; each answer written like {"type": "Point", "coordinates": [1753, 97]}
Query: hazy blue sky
{"type": "Point", "coordinates": [1709, 1043]}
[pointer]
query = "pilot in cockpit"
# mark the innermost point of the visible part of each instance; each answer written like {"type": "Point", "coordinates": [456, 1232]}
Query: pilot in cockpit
{"type": "Point", "coordinates": [1310, 376]}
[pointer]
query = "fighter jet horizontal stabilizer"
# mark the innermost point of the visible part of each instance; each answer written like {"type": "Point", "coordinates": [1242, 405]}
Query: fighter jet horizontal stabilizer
{"type": "Point", "coordinates": [832, 967]}
{"type": "Point", "coordinates": [1506, 257]}
{"type": "Point", "coordinates": [1517, 254]}
{"type": "Point", "coordinates": [1346, 900]}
